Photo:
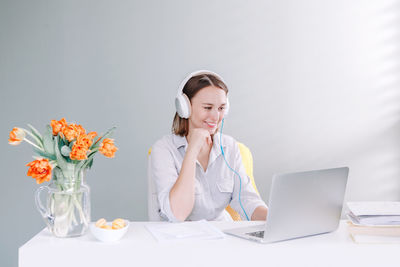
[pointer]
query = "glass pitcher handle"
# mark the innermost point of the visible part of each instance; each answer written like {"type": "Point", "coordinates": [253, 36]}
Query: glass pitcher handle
{"type": "Point", "coordinates": [38, 202]}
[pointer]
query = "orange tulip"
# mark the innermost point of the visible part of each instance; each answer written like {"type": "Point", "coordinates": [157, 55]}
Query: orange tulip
{"type": "Point", "coordinates": [70, 132]}
{"type": "Point", "coordinates": [58, 126]}
{"type": "Point", "coordinates": [80, 129]}
{"type": "Point", "coordinates": [86, 139]}
{"type": "Point", "coordinates": [92, 135]}
{"type": "Point", "coordinates": [40, 170]}
{"type": "Point", "coordinates": [78, 151]}
{"type": "Point", "coordinates": [107, 148]}
{"type": "Point", "coordinates": [17, 135]}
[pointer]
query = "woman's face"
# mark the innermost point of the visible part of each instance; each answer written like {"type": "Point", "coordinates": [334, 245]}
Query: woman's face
{"type": "Point", "coordinates": [208, 107]}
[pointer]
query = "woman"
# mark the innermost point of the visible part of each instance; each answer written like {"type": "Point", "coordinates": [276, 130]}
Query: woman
{"type": "Point", "coordinates": [195, 168]}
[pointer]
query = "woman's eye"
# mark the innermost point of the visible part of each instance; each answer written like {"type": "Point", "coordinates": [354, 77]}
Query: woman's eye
{"type": "Point", "coordinates": [207, 108]}
{"type": "Point", "coordinates": [221, 108]}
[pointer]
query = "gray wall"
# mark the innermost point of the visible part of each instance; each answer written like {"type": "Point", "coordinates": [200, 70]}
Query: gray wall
{"type": "Point", "coordinates": [314, 84]}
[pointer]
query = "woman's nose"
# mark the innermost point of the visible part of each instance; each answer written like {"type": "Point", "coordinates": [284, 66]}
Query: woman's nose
{"type": "Point", "coordinates": [215, 115]}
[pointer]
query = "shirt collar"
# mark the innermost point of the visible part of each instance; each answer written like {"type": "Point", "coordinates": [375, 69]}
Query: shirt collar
{"type": "Point", "coordinates": [216, 149]}
{"type": "Point", "coordinates": [217, 141]}
{"type": "Point", "coordinates": [180, 141]}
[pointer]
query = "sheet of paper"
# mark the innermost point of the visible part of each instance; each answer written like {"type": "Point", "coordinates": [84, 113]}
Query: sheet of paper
{"type": "Point", "coordinates": [374, 208]}
{"type": "Point", "coordinates": [184, 231]}
{"type": "Point", "coordinates": [381, 221]}
{"type": "Point", "coordinates": [374, 220]}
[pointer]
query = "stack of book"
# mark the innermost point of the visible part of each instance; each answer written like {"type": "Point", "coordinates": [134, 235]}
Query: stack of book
{"type": "Point", "coordinates": [374, 222]}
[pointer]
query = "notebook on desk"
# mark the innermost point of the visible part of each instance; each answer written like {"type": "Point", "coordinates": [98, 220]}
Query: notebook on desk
{"type": "Point", "coordinates": [300, 204]}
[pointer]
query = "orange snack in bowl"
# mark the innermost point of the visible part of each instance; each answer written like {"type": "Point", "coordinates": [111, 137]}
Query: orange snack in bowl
{"type": "Point", "coordinates": [101, 222]}
{"type": "Point", "coordinates": [118, 223]}
{"type": "Point", "coordinates": [106, 226]}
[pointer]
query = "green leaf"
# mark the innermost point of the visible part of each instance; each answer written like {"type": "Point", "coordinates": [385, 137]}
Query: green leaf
{"type": "Point", "coordinates": [61, 142]}
{"type": "Point", "coordinates": [92, 153]}
{"type": "Point", "coordinates": [48, 141]}
{"type": "Point", "coordinates": [61, 162]}
{"type": "Point", "coordinates": [106, 135]}
{"type": "Point", "coordinates": [89, 165]}
{"type": "Point", "coordinates": [89, 160]}
{"type": "Point", "coordinates": [35, 133]}
{"type": "Point", "coordinates": [45, 154]}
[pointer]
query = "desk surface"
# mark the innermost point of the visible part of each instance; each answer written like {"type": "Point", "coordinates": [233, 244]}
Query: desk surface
{"type": "Point", "coordinates": [139, 248]}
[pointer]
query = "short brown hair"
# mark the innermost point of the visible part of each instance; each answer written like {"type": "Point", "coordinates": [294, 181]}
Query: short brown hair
{"type": "Point", "coordinates": [180, 126]}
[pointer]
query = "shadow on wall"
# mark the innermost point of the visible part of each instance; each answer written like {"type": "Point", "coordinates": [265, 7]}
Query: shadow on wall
{"type": "Point", "coordinates": [385, 44]}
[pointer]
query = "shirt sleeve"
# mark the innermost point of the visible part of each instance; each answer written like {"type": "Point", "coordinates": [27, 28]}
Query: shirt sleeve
{"type": "Point", "coordinates": [249, 198]}
{"type": "Point", "coordinates": [164, 174]}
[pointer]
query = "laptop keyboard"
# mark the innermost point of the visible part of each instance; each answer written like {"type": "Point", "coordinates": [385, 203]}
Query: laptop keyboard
{"type": "Point", "coordinates": [259, 234]}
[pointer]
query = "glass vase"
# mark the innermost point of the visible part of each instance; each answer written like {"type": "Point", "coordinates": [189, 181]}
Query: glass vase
{"type": "Point", "coordinates": [66, 209]}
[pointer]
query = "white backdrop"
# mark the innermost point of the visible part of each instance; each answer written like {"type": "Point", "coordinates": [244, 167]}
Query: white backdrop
{"type": "Point", "coordinates": [313, 84]}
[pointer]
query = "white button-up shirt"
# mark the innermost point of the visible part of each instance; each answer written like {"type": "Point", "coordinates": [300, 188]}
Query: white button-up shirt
{"type": "Point", "coordinates": [215, 188]}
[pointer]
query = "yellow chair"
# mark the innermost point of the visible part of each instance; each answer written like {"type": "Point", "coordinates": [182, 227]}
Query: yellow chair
{"type": "Point", "coordinates": [247, 160]}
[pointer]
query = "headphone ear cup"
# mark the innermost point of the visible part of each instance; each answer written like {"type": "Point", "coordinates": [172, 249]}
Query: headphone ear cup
{"type": "Point", "coordinates": [182, 105]}
{"type": "Point", "coordinates": [188, 106]}
{"type": "Point", "coordinates": [227, 106]}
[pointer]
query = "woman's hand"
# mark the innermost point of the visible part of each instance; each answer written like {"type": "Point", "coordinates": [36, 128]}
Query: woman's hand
{"type": "Point", "coordinates": [181, 196]}
{"type": "Point", "coordinates": [259, 214]}
{"type": "Point", "coordinates": [197, 138]}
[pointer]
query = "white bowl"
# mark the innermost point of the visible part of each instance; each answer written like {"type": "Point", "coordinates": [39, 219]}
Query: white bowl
{"type": "Point", "coordinates": [108, 235]}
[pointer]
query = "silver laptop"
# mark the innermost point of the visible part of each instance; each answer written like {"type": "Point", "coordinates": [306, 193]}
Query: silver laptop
{"type": "Point", "coordinates": [300, 204]}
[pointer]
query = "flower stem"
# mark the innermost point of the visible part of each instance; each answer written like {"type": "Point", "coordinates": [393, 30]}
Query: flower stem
{"type": "Point", "coordinates": [30, 142]}
{"type": "Point", "coordinates": [40, 142]}
{"type": "Point", "coordinates": [79, 207]}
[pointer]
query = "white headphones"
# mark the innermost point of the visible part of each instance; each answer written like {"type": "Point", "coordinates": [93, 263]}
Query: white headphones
{"type": "Point", "coordinates": [182, 102]}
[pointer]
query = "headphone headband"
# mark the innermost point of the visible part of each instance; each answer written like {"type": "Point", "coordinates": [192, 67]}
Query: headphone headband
{"type": "Point", "coordinates": [196, 73]}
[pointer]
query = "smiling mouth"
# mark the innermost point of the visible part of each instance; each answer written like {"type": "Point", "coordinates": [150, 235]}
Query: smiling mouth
{"type": "Point", "coordinates": [211, 125]}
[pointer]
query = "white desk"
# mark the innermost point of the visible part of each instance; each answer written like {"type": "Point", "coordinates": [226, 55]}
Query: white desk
{"type": "Point", "coordinates": [139, 248]}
